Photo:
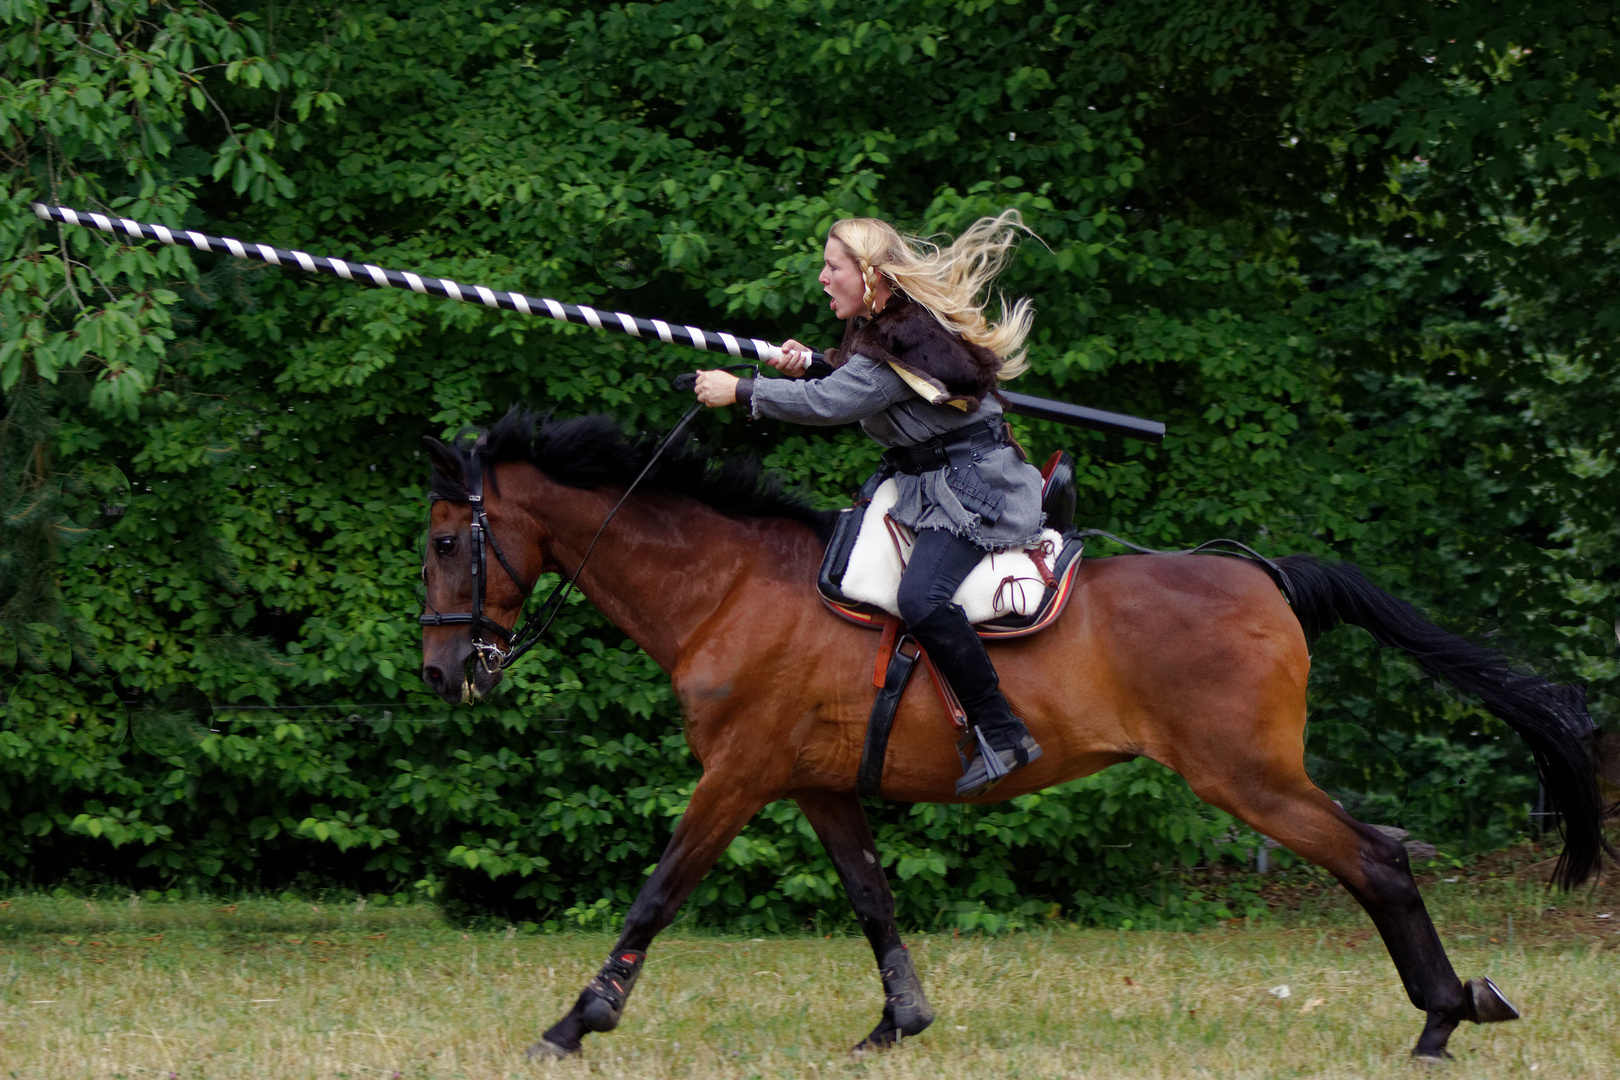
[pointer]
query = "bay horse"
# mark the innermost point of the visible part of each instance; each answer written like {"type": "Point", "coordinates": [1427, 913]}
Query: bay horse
{"type": "Point", "coordinates": [1195, 661]}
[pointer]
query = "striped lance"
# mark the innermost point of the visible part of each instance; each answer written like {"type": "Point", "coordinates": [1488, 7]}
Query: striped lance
{"type": "Point", "coordinates": [580, 314]}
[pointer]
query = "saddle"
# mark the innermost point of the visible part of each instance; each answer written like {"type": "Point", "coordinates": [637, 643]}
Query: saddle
{"type": "Point", "coordinates": [1009, 594]}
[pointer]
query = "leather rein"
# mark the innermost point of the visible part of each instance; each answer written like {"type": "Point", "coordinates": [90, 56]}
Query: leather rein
{"type": "Point", "coordinates": [498, 655]}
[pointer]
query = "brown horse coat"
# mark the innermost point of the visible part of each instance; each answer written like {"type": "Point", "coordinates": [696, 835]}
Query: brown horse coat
{"type": "Point", "coordinates": [1197, 662]}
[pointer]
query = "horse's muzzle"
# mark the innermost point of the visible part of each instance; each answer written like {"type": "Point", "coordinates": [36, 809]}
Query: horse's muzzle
{"type": "Point", "coordinates": [449, 687]}
{"type": "Point", "coordinates": [448, 676]}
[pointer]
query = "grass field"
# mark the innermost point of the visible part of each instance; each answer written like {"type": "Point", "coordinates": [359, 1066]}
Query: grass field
{"type": "Point", "coordinates": [106, 988]}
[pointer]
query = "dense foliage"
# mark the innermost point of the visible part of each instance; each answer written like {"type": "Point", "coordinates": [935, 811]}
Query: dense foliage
{"type": "Point", "coordinates": [1360, 256]}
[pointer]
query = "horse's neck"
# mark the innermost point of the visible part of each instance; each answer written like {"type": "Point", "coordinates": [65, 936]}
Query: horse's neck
{"type": "Point", "coordinates": [662, 567]}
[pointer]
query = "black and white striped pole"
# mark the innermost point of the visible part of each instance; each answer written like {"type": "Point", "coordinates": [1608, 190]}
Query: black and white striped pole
{"type": "Point", "coordinates": [670, 333]}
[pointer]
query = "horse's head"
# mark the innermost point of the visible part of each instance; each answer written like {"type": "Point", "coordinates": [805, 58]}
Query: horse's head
{"type": "Point", "coordinates": [473, 540]}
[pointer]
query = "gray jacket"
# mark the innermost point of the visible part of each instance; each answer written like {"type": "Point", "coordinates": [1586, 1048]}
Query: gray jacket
{"type": "Point", "coordinates": [894, 414]}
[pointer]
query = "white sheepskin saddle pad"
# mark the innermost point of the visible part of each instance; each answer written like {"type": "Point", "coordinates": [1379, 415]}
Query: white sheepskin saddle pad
{"type": "Point", "coordinates": [1004, 583]}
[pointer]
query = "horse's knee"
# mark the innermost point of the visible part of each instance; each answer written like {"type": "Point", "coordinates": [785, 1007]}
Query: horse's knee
{"type": "Point", "coordinates": [652, 910]}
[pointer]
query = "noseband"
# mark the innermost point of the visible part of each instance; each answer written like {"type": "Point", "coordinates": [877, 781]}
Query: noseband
{"type": "Point", "coordinates": [514, 643]}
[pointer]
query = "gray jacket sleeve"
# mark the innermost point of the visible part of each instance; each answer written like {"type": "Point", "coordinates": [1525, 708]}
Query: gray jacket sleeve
{"type": "Point", "coordinates": [859, 390]}
{"type": "Point", "coordinates": [1004, 490]}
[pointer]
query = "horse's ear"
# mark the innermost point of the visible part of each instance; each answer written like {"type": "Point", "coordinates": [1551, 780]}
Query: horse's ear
{"type": "Point", "coordinates": [446, 462]}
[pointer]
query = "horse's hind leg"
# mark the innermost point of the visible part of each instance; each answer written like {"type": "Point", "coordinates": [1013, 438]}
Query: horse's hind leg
{"type": "Point", "coordinates": [1375, 869]}
{"type": "Point", "coordinates": [840, 822]}
{"type": "Point", "coordinates": [719, 809]}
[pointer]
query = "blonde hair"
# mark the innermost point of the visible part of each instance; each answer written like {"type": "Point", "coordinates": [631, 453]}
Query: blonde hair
{"type": "Point", "coordinates": [948, 281]}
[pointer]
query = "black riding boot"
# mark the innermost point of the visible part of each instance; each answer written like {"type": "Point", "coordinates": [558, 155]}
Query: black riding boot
{"type": "Point", "coordinates": [954, 647]}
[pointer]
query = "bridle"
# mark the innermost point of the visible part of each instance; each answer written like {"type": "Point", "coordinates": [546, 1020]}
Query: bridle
{"type": "Point", "coordinates": [495, 656]}
{"type": "Point", "coordinates": [491, 656]}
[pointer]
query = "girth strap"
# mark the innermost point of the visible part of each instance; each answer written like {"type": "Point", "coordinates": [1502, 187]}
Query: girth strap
{"type": "Point", "coordinates": [869, 780]}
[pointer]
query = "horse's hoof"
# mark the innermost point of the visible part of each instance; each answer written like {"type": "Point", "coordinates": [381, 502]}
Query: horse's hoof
{"type": "Point", "coordinates": [546, 1050]}
{"type": "Point", "coordinates": [884, 1036]}
{"type": "Point", "coordinates": [1489, 1006]}
{"type": "Point", "coordinates": [867, 1045]}
{"type": "Point", "coordinates": [897, 1024]}
{"type": "Point", "coordinates": [1430, 1061]}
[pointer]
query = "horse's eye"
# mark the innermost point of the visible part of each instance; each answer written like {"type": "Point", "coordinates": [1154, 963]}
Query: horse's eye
{"type": "Point", "coordinates": [444, 545]}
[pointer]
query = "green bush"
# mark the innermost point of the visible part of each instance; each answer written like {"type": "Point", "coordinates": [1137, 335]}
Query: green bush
{"type": "Point", "coordinates": [1358, 256]}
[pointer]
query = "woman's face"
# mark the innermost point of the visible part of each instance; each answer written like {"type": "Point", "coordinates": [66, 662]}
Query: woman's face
{"type": "Point", "coordinates": [841, 279]}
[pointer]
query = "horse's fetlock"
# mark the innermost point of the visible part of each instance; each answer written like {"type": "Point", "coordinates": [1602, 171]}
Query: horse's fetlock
{"type": "Point", "coordinates": [904, 1002]}
{"type": "Point", "coordinates": [602, 1003]}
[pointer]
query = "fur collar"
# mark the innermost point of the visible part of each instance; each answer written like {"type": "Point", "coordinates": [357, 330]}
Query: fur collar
{"type": "Point", "coordinates": [906, 335]}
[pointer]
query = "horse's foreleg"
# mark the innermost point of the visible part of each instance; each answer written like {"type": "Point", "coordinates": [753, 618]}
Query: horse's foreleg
{"type": "Point", "coordinates": [840, 822]}
{"type": "Point", "coordinates": [1375, 870]}
{"type": "Point", "coordinates": [717, 813]}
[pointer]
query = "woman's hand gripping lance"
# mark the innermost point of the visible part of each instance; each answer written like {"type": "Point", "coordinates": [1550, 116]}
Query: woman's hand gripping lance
{"type": "Point", "coordinates": [718, 387]}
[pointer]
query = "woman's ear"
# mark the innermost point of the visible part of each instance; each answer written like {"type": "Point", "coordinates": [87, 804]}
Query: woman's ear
{"type": "Point", "coordinates": [883, 289]}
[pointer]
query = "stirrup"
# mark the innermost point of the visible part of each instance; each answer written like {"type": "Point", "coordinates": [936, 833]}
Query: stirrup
{"type": "Point", "coordinates": [988, 769]}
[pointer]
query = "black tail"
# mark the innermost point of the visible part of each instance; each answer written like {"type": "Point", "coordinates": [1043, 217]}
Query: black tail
{"type": "Point", "coordinates": [1551, 718]}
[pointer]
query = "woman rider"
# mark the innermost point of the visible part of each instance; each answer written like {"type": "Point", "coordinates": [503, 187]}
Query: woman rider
{"type": "Point", "coordinates": [918, 369]}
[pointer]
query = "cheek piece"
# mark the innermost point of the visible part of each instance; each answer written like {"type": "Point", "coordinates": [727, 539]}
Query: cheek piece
{"type": "Point", "coordinates": [491, 656]}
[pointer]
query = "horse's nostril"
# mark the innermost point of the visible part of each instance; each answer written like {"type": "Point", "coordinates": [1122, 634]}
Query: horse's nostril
{"type": "Point", "coordinates": [433, 676]}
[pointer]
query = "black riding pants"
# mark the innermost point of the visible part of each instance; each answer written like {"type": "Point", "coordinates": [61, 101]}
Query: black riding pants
{"type": "Point", "coordinates": [939, 563]}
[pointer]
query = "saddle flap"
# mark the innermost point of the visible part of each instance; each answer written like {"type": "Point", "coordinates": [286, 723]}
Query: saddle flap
{"type": "Point", "coordinates": [836, 561]}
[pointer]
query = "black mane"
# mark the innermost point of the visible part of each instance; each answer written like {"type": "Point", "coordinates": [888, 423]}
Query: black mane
{"type": "Point", "coordinates": [590, 451]}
